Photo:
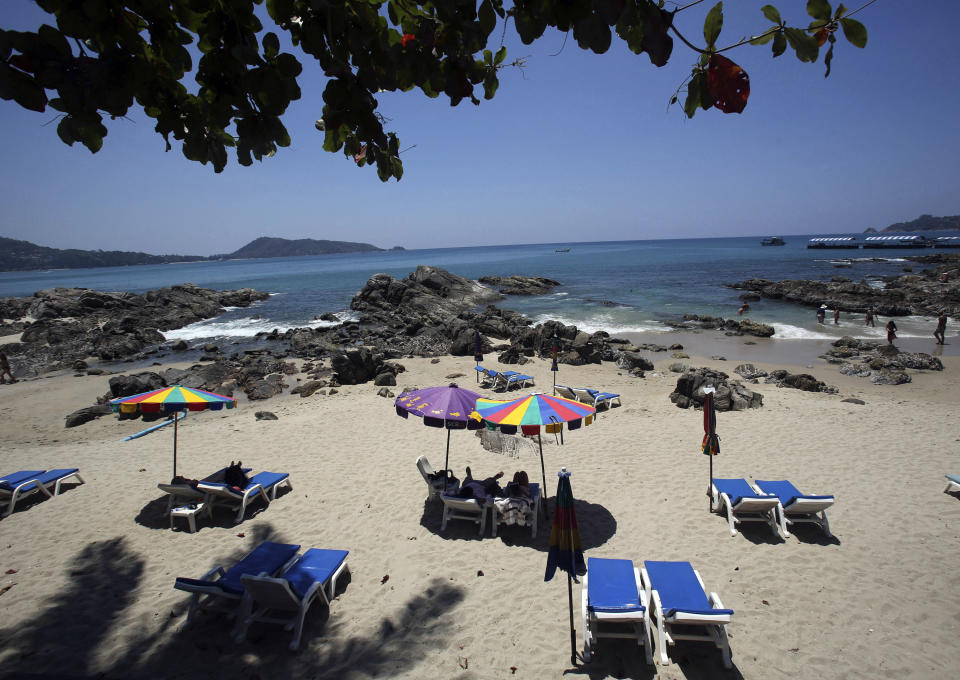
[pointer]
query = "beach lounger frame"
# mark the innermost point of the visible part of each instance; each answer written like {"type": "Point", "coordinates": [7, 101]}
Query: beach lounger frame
{"type": "Point", "coordinates": [463, 508]}
{"type": "Point", "coordinates": [220, 590]}
{"type": "Point", "coordinates": [531, 517]}
{"type": "Point", "coordinates": [219, 495]}
{"type": "Point", "coordinates": [596, 398]}
{"type": "Point", "coordinates": [435, 485]}
{"type": "Point", "coordinates": [566, 392]}
{"type": "Point", "coordinates": [799, 508]}
{"type": "Point", "coordinates": [592, 617]}
{"type": "Point", "coordinates": [23, 484]}
{"type": "Point", "coordinates": [953, 483]}
{"type": "Point", "coordinates": [320, 567]}
{"type": "Point", "coordinates": [744, 505]}
{"type": "Point", "coordinates": [185, 494]}
{"type": "Point", "coordinates": [713, 622]}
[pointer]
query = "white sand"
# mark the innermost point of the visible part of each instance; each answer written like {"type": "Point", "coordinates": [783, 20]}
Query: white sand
{"type": "Point", "coordinates": [93, 589]}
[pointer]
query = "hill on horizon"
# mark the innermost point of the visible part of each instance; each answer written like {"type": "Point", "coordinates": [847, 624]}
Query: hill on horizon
{"type": "Point", "coordinates": [923, 223]}
{"type": "Point", "coordinates": [16, 255]}
{"type": "Point", "coordinates": [271, 246]}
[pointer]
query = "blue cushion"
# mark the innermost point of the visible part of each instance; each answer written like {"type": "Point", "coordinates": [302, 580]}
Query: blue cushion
{"type": "Point", "coordinates": [786, 492]}
{"type": "Point", "coordinates": [267, 479]}
{"type": "Point", "coordinates": [9, 482]}
{"type": "Point", "coordinates": [267, 557]}
{"type": "Point", "coordinates": [679, 588]}
{"type": "Point", "coordinates": [612, 586]}
{"type": "Point", "coordinates": [50, 476]}
{"type": "Point", "coordinates": [954, 478]}
{"type": "Point", "coordinates": [315, 565]}
{"type": "Point", "coordinates": [737, 489]}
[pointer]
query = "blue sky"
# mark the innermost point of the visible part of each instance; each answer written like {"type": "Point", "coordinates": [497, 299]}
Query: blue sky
{"type": "Point", "coordinates": [577, 147]}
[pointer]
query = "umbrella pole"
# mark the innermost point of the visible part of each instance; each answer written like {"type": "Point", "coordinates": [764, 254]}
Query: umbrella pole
{"type": "Point", "coordinates": [446, 461]}
{"type": "Point", "coordinates": [710, 484]}
{"type": "Point", "coordinates": [175, 419]}
{"type": "Point", "coordinates": [543, 471]}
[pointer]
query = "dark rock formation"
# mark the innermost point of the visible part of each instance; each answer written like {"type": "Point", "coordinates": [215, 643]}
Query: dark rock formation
{"type": "Point", "coordinates": [731, 327]}
{"type": "Point", "coordinates": [265, 415]}
{"type": "Point", "coordinates": [923, 293]}
{"type": "Point", "coordinates": [520, 285]}
{"type": "Point", "coordinates": [730, 395]}
{"type": "Point", "coordinates": [750, 372]}
{"type": "Point", "coordinates": [800, 381]}
{"type": "Point", "coordinates": [863, 358]}
{"type": "Point", "coordinates": [85, 415]}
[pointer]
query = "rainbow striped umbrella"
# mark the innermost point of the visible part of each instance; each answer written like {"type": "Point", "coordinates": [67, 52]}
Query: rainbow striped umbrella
{"type": "Point", "coordinates": [531, 412]}
{"type": "Point", "coordinates": [171, 400]}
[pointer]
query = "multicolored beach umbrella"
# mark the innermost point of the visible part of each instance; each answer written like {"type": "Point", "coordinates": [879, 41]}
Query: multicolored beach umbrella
{"type": "Point", "coordinates": [450, 407]}
{"type": "Point", "coordinates": [533, 412]}
{"type": "Point", "coordinates": [711, 442]}
{"type": "Point", "coordinates": [566, 552]}
{"type": "Point", "coordinates": [172, 400]}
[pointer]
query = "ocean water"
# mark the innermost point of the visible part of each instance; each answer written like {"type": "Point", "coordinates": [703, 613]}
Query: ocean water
{"type": "Point", "coordinates": [622, 287]}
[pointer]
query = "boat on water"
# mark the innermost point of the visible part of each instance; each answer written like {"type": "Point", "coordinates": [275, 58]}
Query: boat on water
{"type": "Point", "coordinates": [773, 241]}
{"type": "Point", "coordinates": [562, 250]}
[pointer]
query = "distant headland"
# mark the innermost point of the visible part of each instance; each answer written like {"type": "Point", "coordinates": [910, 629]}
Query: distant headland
{"type": "Point", "coordinates": [923, 223]}
{"type": "Point", "coordinates": [18, 255]}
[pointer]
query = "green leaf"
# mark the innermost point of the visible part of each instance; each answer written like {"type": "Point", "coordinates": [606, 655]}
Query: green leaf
{"type": "Point", "coordinates": [271, 45]}
{"type": "Point", "coordinates": [487, 17]}
{"type": "Point", "coordinates": [280, 10]}
{"type": "Point", "coordinates": [694, 90]}
{"type": "Point", "coordinates": [805, 45]}
{"type": "Point", "coordinates": [854, 32]}
{"type": "Point", "coordinates": [779, 44]}
{"type": "Point", "coordinates": [762, 39]}
{"type": "Point", "coordinates": [712, 25]}
{"type": "Point", "coordinates": [819, 9]}
{"type": "Point", "coordinates": [828, 58]}
{"type": "Point", "coordinates": [500, 56]}
{"type": "Point", "coordinates": [772, 13]}
{"type": "Point", "coordinates": [841, 10]}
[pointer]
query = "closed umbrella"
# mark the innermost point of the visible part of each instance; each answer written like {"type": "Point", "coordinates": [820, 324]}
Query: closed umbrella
{"type": "Point", "coordinates": [711, 442]}
{"type": "Point", "coordinates": [566, 552]}
{"type": "Point", "coordinates": [477, 351]}
{"type": "Point", "coordinates": [554, 348]}
{"type": "Point", "coordinates": [531, 412]}
{"type": "Point", "coordinates": [449, 407]}
{"type": "Point", "coordinates": [172, 399]}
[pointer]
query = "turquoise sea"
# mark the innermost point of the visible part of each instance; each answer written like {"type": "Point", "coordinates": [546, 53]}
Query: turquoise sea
{"type": "Point", "coordinates": [618, 286]}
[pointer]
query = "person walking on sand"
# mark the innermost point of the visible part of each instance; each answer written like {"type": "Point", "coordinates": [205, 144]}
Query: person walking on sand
{"type": "Point", "coordinates": [5, 368]}
{"type": "Point", "coordinates": [941, 327]}
{"type": "Point", "coordinates": [836, 316]}
{"type": "Point", "coordinates": [821, 313]}
{"type": "Point", "coordinates": [869, 321]}
{"type": "Point", "coordinates": [891, 331]}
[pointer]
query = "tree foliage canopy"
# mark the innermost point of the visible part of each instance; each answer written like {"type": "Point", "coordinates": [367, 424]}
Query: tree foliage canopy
{"type": "Point", "coordinates": [105, 56]}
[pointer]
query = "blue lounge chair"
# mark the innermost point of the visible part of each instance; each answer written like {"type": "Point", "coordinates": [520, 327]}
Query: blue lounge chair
{"type": "Point", "coordinates": [795, 507]}
{"type": "Point", "coordinates": [677, 596]}
{"type": "Point", "coordinates": [612, 593]}
{"type": "Point", "coordinates": [225, 592]}
{"type": "Point", "coordinates": [596, 398]}
{"type": "Point", "coordinates": [262, 485]}
{"type": "Point", "coordinates": [953, 483]}
{"type": "Point", "coordinates": [19, 485]}
{"type": "Point", "coordinates": [510, 379]}
{"type": "Point", "coordinates": [313, 575]}
{"type": "Point", "coordinates": [179, 494]}
{"type": "Point", "coordinates": [743, 503]}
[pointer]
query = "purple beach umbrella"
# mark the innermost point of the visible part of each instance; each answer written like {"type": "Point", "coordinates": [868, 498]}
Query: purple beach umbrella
{"type": "Point", "coordinates": [448, 407]}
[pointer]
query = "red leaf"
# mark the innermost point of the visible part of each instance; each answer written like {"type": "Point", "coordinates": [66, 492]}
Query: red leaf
{"type": "Point", "coordinates": [821, 36]}
{"type": "Point", "coordinates": [407, 39]}
{"type": "Point", "coordinates": [360, 155]}
{"type": "Point", "coordinates": [728, 84]}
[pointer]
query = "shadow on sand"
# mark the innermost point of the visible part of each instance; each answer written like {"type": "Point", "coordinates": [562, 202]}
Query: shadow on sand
{"type": "Point", "coordinates": [66, 636]}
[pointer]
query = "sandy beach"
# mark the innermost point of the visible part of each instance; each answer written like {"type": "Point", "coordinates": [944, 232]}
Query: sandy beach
{"type": "Point", "coordinates": [88, 583]}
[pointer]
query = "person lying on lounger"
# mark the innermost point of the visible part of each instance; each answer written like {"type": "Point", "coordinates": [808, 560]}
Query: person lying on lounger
{"type": "Point", "coordinates": [481, 489]}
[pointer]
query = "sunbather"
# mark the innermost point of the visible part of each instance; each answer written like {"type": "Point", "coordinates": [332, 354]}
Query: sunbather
{"type": "Point", "coordinates": [480, 490]}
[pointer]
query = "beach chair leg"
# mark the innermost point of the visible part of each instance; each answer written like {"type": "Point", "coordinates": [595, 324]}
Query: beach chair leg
{"type": "Point", "coordinates": [731, 520]}
{"type": "Point", "coordinates": [483, 520]}
{"type": "Point", "coordinates": [244, 619]}
{"type": "Point", "coordinates": [783, 521]}
{"type": "Point", "coordinates": [584, 619]}
{"type": "Point", "coordinates": [298, 631]}
{"type": "Point", "coordinates": [494, 521]}
{"type": "Point", "coordinates": [443, 521]}
{"type": "Point", "coordinates": [719, 634]}
{"type": "Point", "coordinates": [662, 641]}
{"type": "Point", "coordinates": [825, 524]}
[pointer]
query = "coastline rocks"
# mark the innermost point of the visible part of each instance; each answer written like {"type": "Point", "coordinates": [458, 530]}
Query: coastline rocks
{"type": "Point", "coordinates": [924, 293]}
{"type": "Point", "coordinates": [520, 285]}
{"type": "Point", "coordinates": [750, 372]}
{"type": "Point", "coordinates": [800, 381]}
{"type": "Point", "coordinates": [731, 327]}
{"type": "Point", "coordinates": [85, 415]}
{"type": "Point", "coordinates": [128, 385]}
{"type": "Point", "coordinates": [864, 358]}
{"type": "Point", "coordinates": [631, 361]}
{"type": "Point", "coordinates": [730, 395]}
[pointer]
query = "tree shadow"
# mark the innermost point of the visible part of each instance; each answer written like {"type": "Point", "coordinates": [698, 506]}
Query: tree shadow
{"type": "Point", "coordinates": [72, 627]}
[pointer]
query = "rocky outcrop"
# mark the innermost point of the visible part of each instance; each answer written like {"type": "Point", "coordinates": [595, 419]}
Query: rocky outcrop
{"type": "Point", "coordinates": [884, 364]}
{"type": "Point", "coordinates": [520, 285]}
{"type": "Point", "coordinates": [73, 323]}
{"type": "Point", "coordinates": [731, 327]}
{"type": "Point", "coordinates": [730, 395]}
{"type": "Point", "coordinates": [924, 293]}
{"type": "Point", "coordinates": [799, 381]}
